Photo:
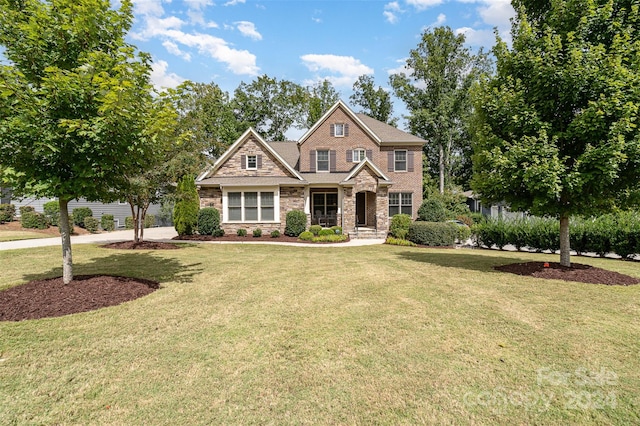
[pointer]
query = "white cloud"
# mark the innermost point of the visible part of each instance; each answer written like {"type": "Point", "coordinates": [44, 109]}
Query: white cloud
{"type": "Point", "coordinates": [248, 29]}
{"type": "Point", "coordinates": [441, 19]}
{"type": "Point", "coordinates": [423, 4]}
{"type": "Point", "coordinates": [391, 11]}
{"type": "Point", "coordinates": [148, 7]}
{"type": "Point", "coordinates": [497, 13]}
{"type": "Point", "coordinates": [161, 79]}
{"type": "Point", "coordinates": [175, 50]}
{"type": "Point", "coordinates": [342, 70]}
{"type": "Point", "coordinates": [156, 26]}
{"type": "Point", "coordinates": [477, 37]}
{"type": "Point", "coordinates": [235, 2]}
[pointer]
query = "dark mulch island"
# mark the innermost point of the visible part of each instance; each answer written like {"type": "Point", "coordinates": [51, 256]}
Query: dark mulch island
{"type": "Point", "coordinates": [142, 245]}
{"type": "Point", "coordinates": [51, 298]}
{"type": "Point", "coordinates": [577, 272]}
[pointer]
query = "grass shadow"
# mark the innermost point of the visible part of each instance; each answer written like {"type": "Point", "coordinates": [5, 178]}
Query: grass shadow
{"type": "Point", "coordinates": [134, 264]}
{"type": "Point", "coordinates": [464, 259]}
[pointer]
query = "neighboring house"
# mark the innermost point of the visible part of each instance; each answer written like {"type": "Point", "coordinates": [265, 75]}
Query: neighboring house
{"type": "Point", "coordinates": [494, 210]}
{"type": "Point", "coordinates": [348, 170]}
{"type": "Point", "coordinates": [119, 210]}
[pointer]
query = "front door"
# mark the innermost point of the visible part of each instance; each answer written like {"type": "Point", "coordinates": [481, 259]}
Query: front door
{"type": "Point", "coordinates": [361, 208]}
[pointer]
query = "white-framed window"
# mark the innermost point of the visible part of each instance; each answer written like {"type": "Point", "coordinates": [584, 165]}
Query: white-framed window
{"type": "Point", "coordinates": [251, 205]}
{"type": "Point", "coordinates": [400, 160]}
{"type": "Point", "coordinates": [322, 160]}
{"type": "Point", "coordinates": [400, 202]}
{"type": "Point", "coordinates": [252, 162]}
{"type": "Point", "coordinates": [359, 154]}
{"type": "Point", "coordinates": [339, 130]}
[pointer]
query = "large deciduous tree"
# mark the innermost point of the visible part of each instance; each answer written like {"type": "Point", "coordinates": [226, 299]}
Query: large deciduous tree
{"type": "Point", "coordinates": [558, 124]}
{"type": "Point", "coordinates": [270, 106]}
{"type": "Point", "coordinates": [375, 103]}
{"type": "Point", "coordinates": [321, 97]}
{"type": "Point", "coordinates": [74, 99]}
{"type": "Point", "coordinates": [436, 92]}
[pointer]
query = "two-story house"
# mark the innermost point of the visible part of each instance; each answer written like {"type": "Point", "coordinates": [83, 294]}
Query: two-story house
{"type": "Point", "coordinates": [348, 170]}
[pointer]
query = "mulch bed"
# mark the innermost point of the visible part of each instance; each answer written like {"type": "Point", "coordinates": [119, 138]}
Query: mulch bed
{"type": "Point", "coordinates": [51, 298]}
{"type": "Point", "coordinates": [248, 239]}
{"type": "Point", "coordinates": [142, 245]}
{"type": "Point", "coordinates": [577, 272]}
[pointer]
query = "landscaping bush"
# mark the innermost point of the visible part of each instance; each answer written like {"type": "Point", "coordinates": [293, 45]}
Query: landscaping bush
{"type": "Point", "coordinates": [333, 238]}
{"type": "Point", "coordinates": [24, 209]}
{"type": "Point", "coordinates": [33, 220]}
{"type": "Point", "coordinates": [128, 222]}
{"type": "Point", "coordinates": [79, 213]}
{"type": "Point", "coordinates": [325, 231]}
{"type": "Point", "coordinates": [462, 232]}
{"type": "Point", "coordinates": [399, 242]}
{"type": "Point", "coordinates": [7, 212]}
{"type": "Point", "coordinates": [400, 225]}
{"type": "Point", "coordinates": [149, 221]}
{"type": "Point", "coordinates": [599, 232]}
{"type": "Point", "coordinates": [257, 233]}
{"type": "Point", "coordinates": [315, 229]}
{"type": "Point", "coordinates": [625, 236]}
{"type": "Point", "coordinates": [296, 223]}
{"type": "Point", "coordinates": [218, 233]}
{"type": "Point", "coordinates": [476, 218]}
{"type": "Point", "coordinates": [91, 224]}
{"type": "Point", "coordinates": [241, 232]}
{"type": "Point", "coordinates": [432, 234]}
{"type": "Point", "coordinates": [432, 210]}
{"type": "Point", "coordinates": [185, 212]}
{"type": "Point", "coordinates": [491, 232]}
{"type": "Point", "coordinates": [466, 219]}
{"type": "Point", "coordinates": [52, 212]}
{"type": "Point", "coordinates": [107, 223]}
{"type": "Point", "coordinates": [275, 234]}
{"type": "Point", "coordinates": [337, 229]}
{"type": "Point", "coordinates": [306, 236]}
{"type": "Point", "coordinates": [544, 234]}
{"type": "Point", "coordinates": [208, 220]}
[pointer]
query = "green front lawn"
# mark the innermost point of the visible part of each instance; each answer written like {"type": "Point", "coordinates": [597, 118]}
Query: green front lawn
{"type": "Point", "coordinates": [22, 235]}
{"type": "Point", "coordinates": [242, 334]}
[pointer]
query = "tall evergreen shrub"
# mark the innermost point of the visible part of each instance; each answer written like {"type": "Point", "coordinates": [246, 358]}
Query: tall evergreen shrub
{"type": "Point", "coordinates": [185, 212]}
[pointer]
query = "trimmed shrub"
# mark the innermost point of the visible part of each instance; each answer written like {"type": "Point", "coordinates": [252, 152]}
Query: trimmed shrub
{"type": "Point", "coordinates": [128, 222]}
{"type": "Point", "coordinates": [333, 238]}
{"type": "Point", "coordinates": [325, 232]}
{"type": "Point", "coordinates": [241, 232]}
{"type": "Point", "coordinates": [275, 234]}
{"type": "Point", "coordinates": [107, 223]}
{"type": "Point", "coordinates": [79, 213]}
{"type": "Point", "coordinates": [7, 212]}
{"type": "Point", "coordinates": [432, 234]}
{"type": "Point", "coordinates": [462, 232]}
{"type": "Point", "coordinates": [399, 242]}
{"type": "Point", "coordinates": [149, 221]}
{"type": "Point", "coordinates": [432, 210]}
{"type": "Point", "coordinates": [208, 220]}
{"type": "Point", "coordinates": [52, 212]}
{"type": "Point", "coordinates": [257, 233]}
{"type": "Point", "coordinates": [33, 220]}
{"type": "Point", "coordinates": [296, 223]}
{"type": "Point", "coordinates": [476, 218]}
{"type": "Point", "coordinates": [337, 229]}
{"type": "Point", "coordinates": [24, 209]}
{"type": "Point", "coordinates": [91, 224]}
{"type": "Point", "coordinates": [185, 212]}
{"type": "Point", "coordinates": [218, 232]}
{"type": "Point", "coordinates": [400, 225]}
{"type": "Point", "coordinates": [315, 229]}
{"type": "Point", "coordinates": [306, 236]}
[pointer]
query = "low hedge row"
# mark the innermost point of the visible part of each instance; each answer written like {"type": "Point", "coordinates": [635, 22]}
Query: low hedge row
{"type": "Point", "coordinates": [7, 212]}
{"type": "Point", "coordinates": [612, 233]}
{"type": "Point", "coordinates": [432, 233]}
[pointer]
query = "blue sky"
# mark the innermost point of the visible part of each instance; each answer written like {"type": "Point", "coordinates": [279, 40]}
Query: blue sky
{"type": "Point", "coordinates": [303, 41]}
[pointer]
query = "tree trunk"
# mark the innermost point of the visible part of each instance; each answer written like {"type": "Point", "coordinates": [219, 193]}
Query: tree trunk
{"type": "Point", "coordinates": [140, 225]}
{"type": "Point", "coordinates": [565, 243]}
{"type": "Point", "coordinates": [134, 219]}
{"type": "Point", "coordinates": [143, 215]}
{"type": "Point", "coordinates": [65, 234]}
{"type": "Point", "coordinates": [441, 152]}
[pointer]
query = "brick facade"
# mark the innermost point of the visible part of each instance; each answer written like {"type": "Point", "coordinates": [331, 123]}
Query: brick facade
{"type": "Point", "coordinates": [367, 182]}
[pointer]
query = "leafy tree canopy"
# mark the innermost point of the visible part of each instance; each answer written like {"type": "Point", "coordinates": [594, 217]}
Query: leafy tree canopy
{"type": "Point", "coordinates": [375, 103]}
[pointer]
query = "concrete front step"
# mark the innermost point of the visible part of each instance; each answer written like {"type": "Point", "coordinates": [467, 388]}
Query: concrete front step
{"type": "Point", "coordinates": [367, 234]}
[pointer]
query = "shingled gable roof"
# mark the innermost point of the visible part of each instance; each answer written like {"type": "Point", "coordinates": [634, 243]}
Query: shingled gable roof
{"type": "Point", "coordinates": [381, 133]}
{"type": "Point", "coordinates": [238, 143]}
{"type": "Point", "coordinates": [357, 169]}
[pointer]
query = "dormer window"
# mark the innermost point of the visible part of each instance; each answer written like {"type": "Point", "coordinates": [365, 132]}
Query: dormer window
{"type": "Point", "coordinates": [252, 162]}
{"type": "Point", "coordinates": [339, 130]}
